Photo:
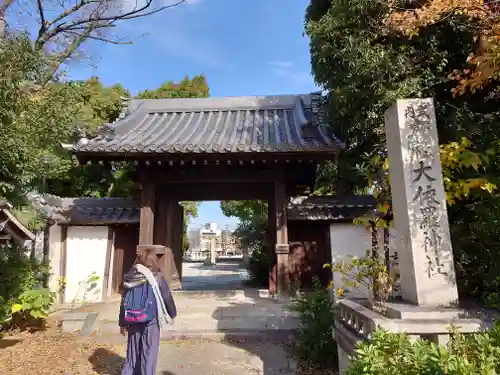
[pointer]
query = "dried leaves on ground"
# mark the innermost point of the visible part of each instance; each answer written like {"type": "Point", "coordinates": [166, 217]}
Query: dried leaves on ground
{"type": "Point", "coordinates": [54, 353]}
{"type": "Point", "coordinates": [51, 352]}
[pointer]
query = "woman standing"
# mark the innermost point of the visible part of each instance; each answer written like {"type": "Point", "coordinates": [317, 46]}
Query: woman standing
{"type": "Point", "coordinates": [147, 305]}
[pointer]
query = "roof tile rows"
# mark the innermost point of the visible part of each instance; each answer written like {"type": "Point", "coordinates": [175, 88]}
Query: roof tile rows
{"type": "Point", "coordinates": [276, 124]}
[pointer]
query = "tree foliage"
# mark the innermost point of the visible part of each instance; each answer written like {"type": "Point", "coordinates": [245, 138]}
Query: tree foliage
{"type": "Point", "coordinates": [484, 15]}
{"type": "Point", "coordinates": [196, 87]}
{"type": "Point", "coordinates": [96, 105]}
{"type": "Point", "coordinates": [251, 233]}
{"type": "Point", "coordinates": [252, 220]}
{"type": "Point", "coordinates": [33, 118]}
{"type": "Point", "coordinates": [364, 58]}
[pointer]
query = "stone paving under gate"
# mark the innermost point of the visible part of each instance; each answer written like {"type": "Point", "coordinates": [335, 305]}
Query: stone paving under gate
{"type": "Point", "coordinates": [204, 313]}
{"type": "Point", "coordinates": [212, 315]}
{"type": "Point", "coordinates": [222, 276]}
{"type": "Point", "coordinates": [236, 331]}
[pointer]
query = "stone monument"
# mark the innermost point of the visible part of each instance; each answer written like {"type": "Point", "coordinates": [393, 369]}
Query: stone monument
{"type": "Point", "coordinates": [419, 204]}
{"type": "Point", "coordinates": [427, 273]}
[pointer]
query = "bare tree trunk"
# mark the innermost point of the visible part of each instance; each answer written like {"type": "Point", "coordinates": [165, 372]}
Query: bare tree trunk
{"type": "Point", "coordinates": [387, 249]}
{"type": "Point", "coordinates": [2, 21]}
{"type": "Point", "coordinates": [375, 256]}
{"type": "Point", "coordinates": [4, 5]}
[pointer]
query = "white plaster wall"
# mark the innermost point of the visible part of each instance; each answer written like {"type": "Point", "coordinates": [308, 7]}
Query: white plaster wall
{"type": "Point", "coordinates": [86, 254]}
{"type": "Point", "coordinates": [38, 245]}
{"type": "Point", "coordinates": [55, 257]}
{"type": "Point", "coordinates": [110, 271]}
{"type": "Point", "coordinates": [348, 239]}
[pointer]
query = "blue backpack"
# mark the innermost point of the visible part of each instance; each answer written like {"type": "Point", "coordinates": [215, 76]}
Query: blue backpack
{"type": "Point", "coordinates": [139, 305]}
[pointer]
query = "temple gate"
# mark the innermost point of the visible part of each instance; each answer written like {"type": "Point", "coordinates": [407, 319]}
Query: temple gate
{"type": "Point", "coordinates": [237, 148]}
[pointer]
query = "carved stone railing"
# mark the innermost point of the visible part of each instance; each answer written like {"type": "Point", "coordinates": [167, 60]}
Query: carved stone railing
{"type": "Point", "coordinates": [354, 322]}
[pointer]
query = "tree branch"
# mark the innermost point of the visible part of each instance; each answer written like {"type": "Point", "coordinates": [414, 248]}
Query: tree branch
{"type": "Point", "coordinates": [95, 18]}
{"type": "Point", "coordinates": [41, 13]}
{"type": "Point", "coordinates": [5, 4]}
{"type": "Point", "coordinates": [102, 39]}
{"type": "Point", "coordinates": [68, 52]}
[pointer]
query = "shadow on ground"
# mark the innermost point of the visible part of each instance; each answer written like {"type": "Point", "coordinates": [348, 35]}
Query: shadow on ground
{"type": "Point", "coordinates": [106, 362]}
{"type": "Point", "coordinates": [273, 346]}
{"type": "Point", "coordinates": [8, 342]}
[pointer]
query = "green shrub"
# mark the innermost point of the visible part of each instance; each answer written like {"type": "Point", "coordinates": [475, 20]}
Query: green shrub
{"type": "Point", "coordinates": [394, 354]}
{"type": "Point", "coordinates": [491, 297]}
{"type": "Point", "coordinates": [18, 274]}
{"type": "Point", "coordinates": [32, 307]}
{"type": "Point", "coordinates": [258, 267]}
{"type": "Point", "coordinates": [315, 341]}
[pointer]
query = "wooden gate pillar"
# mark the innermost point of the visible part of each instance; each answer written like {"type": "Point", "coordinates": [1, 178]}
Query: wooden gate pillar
{"type": "Point", "coordinates": [282, 247]}
{"type": "Point", "coordinates": [178, 231]}
{"type": "Point", "coordinates": [147, 218]}
{"type": "Point", "coordinates": [180, 255]}
{"type": "Point", "coordinates": [271, 244]}
{"type": "Point", "coordinates": [170, 241]}
{"type": "Point", "coordinates": [160, 235]}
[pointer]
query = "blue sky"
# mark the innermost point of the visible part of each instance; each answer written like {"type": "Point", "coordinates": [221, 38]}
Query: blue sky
{"type": "Point", "coordinates": [244, 47]}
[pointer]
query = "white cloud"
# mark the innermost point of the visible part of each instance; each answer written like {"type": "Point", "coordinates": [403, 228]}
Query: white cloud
{"type": "Point", "coordinates": [286, 70]}
{"type": "Point", "coordinates": [281, 64]}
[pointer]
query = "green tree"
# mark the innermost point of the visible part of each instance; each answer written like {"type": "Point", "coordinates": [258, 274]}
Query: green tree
{"type": "Point", "coordinates": [97, 105]}
{"type": "Point", "coordinates": [252, 220]}
{"type": "Point", "coordinates": [364, 66]}
{"type": "Point", "coordinates": [251, 234]}
{"type": "Point", "coordinates": [196, 87]}
{"type": "Point", "coordinates": [190, 212]}
{"type": "Point", "coordinates": [33, 118]}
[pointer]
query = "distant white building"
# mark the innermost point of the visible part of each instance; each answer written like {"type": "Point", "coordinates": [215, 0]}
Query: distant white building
{"type": "Point", "coordinates": [203, 241]}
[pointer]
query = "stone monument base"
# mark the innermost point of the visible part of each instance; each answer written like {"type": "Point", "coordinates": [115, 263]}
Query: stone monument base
{"type": "Point", "coordinates": [355, 323]}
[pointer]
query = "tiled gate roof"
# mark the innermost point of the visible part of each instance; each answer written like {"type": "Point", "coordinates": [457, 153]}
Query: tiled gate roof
{"type": "Point", "coordinates": [330, 208]}
{"type": "Point", "coordinates": [275, 124]}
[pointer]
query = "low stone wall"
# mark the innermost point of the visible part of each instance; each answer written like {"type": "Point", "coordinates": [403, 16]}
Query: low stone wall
{"type": "Point", "coordinates": [355, 322]}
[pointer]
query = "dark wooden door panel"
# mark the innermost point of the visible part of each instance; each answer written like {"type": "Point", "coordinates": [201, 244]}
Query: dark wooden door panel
{"type": "Point", "coordinates": [126, 241]}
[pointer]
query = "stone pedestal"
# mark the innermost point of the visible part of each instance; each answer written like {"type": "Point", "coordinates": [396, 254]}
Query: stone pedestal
{"type": "Point", "coordinates": [355, 322]}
